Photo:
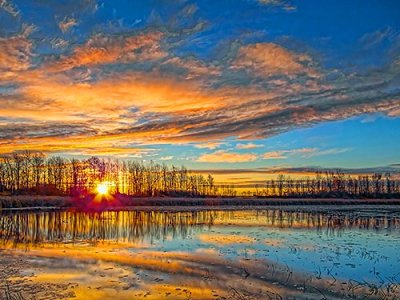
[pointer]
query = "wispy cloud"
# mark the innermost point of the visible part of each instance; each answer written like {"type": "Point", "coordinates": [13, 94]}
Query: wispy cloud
{"type": "Point", "coordinates": [113, 151]}
{"type": "Point", "coordinates": [15, 53]}
{"type": "Point", "coordinates": [280, 3]}
{"type": "Point", "coordinates": [223, 156]}
{"type": "Point", "coordinates": [327, 152]}
{"type": "Point", "coordinates": [66, 24]}
{"type": "Point", "coordinates": [9, 7]}
{"type": "Point", "coordinates": [282, 154]}
{"type": "Point", "coordinates": [209, 145]}
{"type": "Point", "coordinates": [268, 59]}
{"type": "Point", "coordinates": [59, 43]}
{"type": "Point", "coordinates": [192, 66]}
{"type": "Point", "coordinates": [274, 155]}
{"type": "Point", "coordinates": [377, 37]}
{"type": "Point", "coordinates": [248, 146]}
{"type": "Point", "coordinates": [102, 49]}
{"type": "Point", "coordinates": [166, 157]}
{"type": "Point", "coordinates": [303, 152]}
{"type": "Point", "coordinates": [309, 170]}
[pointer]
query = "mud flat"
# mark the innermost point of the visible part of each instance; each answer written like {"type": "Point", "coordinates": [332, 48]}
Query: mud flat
{"type": "Point", "coordinates": [17, 280]}
{"type": "Point", "coordinates": [105, 273]}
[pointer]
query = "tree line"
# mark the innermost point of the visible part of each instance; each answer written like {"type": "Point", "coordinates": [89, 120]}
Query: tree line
{"type": "Point", "coordinates": [332, 184]}
{"type": "Point", "coordinates": [30, 172]}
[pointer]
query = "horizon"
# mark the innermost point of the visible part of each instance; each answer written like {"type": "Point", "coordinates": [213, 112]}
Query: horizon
{"type": "Point", "coordinates": [97, 180]}
{"type": "Point", "coordinates": [240, 92]}
{"type": "Point", "coordinates": [203, 150]}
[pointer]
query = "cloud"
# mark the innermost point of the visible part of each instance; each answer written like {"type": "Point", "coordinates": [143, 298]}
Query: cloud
{"type": "Point", "coordinates": [248, 146]}
{"type": "Point", "coordinates": [193, 67]}
{"type": "Point", "coordinates": [274, 155]}
{"type": "Point", "coordinates": [49, 129]}
{"type": "Point", "coordinates": [166, 157]}
{"type": "Point", "coordinates": [66, 24]}
{"type": "Point", "coordinates": [279, 3]}
{"type": "Point", "coordinates": [59, 43]}
{"type": "Point", "coordinates": [327, 152]}
{"type": "Point", "coordinates": [172, 110]}
{"type": "Point", "coordinates": [248, 178]}
{"type": "Point", "coordinates": [354, 171]}
{"type": "Point", "coordinates": [209, 145]}
{"type": "Point", "coordinates": [9, 7]}
{"type": "Point", "coordinates": [304, 152]}
{"type": "Point", "coordinates": [267, 59]}
{"type": "Point", "coordinates": [223, 156]}
{"type": "Point", "coordinates": [105, 151]}
{"type": "Point", "coordinates": [15, 52]}
{"type": "Point", "coordinates": [375, 38]}
{"type": "Point", "coordinates": [133, 85]}
{"type": "Point", "coordinates": [66, 139]}
{"type": "Point", "coordinates": [269, 2]}
{"type": "Point", "coordinates": [111, 97]}
{"type": "Point", "coordinates": [103, 49]}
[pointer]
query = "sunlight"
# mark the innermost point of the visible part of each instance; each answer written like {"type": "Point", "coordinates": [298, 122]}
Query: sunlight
{"type": "Point", "coordinates": [102, 188]}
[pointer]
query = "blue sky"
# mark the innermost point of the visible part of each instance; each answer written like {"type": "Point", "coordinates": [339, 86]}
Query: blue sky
{"type": "Point", "coordinates": [210, 84]}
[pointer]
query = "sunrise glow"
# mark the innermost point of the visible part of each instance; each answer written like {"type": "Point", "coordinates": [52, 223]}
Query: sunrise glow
{"type": "Point", "coordinates": [102, 188]}
{"type": "Point", "coordinates": [199, 149]}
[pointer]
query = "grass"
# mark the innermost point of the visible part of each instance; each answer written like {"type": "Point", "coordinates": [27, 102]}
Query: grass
{"type": "Point", "coordinates": [121, 201]}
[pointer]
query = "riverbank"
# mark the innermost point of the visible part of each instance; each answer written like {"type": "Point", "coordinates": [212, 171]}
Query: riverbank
{"type": "Point", "coordinates": [123, 202]}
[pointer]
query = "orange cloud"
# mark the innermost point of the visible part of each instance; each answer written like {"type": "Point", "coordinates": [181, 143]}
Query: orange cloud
{"type": "Point", "coordinates": [67, 24]}
{"type": "Point", "coordinates": [114, 96]}
{"type": "Point", "coordinates": [222, 156]}
{"type": "Point", "coordinates": [208, 145]}
{"type": "Point", "coordinates": [274, 155]}
{"type": "Point", "coordinates": [101, 49]}
{"type": "Point", "coordinates": [282, 154]}
{"type": "Point", "coordinates": [47, 96]}
{"type": "Point", "coordinates": [248, 146]}
{"type": "Point", "coordinates": [268, 59]}
{"type": "Point", "coordinates": [82, 144]}
{"type": "Point", "coordinates": [194, 67]}
{"type": "Point", "coordinates": [199, 103]}
{"type": "Point", "coordinates": [15, 53]}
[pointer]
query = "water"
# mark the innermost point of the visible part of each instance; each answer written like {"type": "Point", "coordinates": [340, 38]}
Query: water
{"type": "Point", "coordinates": [310, 253]}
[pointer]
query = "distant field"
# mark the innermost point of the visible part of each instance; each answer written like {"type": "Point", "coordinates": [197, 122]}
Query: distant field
{"type": "Point", "coordinates": [124, 201]}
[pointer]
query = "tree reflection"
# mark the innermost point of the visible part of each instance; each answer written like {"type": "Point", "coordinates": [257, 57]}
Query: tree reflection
{"type": "Point", "coordinates": [149, 226]}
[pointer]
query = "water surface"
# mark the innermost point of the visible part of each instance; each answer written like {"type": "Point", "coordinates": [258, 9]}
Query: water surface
{"type": "Point", "coordinates": [306, 253]}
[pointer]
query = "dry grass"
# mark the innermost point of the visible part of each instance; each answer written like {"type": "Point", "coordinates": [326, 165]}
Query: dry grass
{"type": "Point", "coordinates": [21, 202]}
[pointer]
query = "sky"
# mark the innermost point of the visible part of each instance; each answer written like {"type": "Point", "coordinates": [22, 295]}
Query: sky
{"type": "Point", "coordinates": [240, 88]}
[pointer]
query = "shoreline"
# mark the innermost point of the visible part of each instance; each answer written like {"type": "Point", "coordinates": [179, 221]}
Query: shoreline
{"type": "Point", "coordinates": [175, 209]}
{"type": "Point", "coordinates": [36, 203]}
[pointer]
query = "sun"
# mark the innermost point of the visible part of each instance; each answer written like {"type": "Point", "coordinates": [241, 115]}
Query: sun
{"type": "Point", "coordinates": [102, 188]}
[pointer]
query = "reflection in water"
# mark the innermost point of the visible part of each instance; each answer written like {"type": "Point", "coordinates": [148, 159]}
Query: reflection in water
{"type": "Point", "coordinates": [123, 226]}
{"type": "Point", "coordinates": [307, 219]}
{"type": "Point", "coordinates": [214, 254]}
{"type": "Point", "coordinates": [134, 226]}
